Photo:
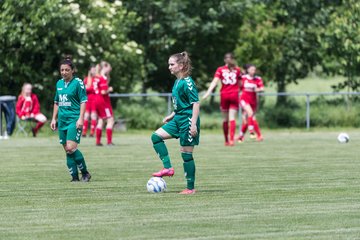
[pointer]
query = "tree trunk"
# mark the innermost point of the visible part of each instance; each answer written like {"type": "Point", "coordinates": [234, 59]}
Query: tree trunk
{"type": "Point", "coordinates": [281, 87]}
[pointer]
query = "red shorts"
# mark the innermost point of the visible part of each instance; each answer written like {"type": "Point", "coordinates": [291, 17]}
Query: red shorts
{"type": "Point", "coordinates": [245, 102]}
{"type": "Point", "coordinates": [103, 109]}
{"type": "Point", "coordinates": [229, 101]}
{"type": "Point", "coordinates": [90, 104]}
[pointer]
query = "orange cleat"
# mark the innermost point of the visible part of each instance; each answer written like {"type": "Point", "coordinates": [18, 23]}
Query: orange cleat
{"type": "Point", "coordinates": [260, 138]}
{"type": "Point", "coordinates": [165, 172]}
{"type": "Point", "coordinates": [187, 192]}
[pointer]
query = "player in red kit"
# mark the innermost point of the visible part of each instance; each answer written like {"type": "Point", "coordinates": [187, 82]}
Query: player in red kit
{"type": "Point", "coordinates": [90, 112]}
{"type": "Point", "coordinates": [28, 107]}
{"type": "Point", "coordinates": [103, 104]}
{"type": "Point", "coordinates": [230, 76]}
{"type": "Point", "coordinates": [250, 86]}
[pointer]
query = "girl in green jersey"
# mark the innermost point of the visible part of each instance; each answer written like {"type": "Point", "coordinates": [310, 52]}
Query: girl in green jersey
{"type": "Point", "coordinates": [69, 109]}
{"type": "Point", "coordinates": [182, 123]}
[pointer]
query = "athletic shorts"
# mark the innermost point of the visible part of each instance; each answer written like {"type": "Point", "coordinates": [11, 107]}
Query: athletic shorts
{"type": "Point", "coordinates": [179, 127]}
{"type": "Point", "coordinates": [244, 103]}
{"type": "Point", "coordinates": [90, 104]}
{"type": "Point", "coordinates": [103, 109]}
{"type": "Point", "coordinates": [229, 101]}
{"type": "Point", "coordinates": [70, 134]}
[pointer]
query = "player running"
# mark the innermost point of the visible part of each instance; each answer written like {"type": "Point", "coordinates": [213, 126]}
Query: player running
{"type": "Point", "coordinates": [28, 107]}
{"type": "Point", "coordinates": [103, 104]}
{"type": "Point", "coordinates": [183, 122]}
{"type": "Point", "coordinates": [69, 109]}
{"type": "Point", "coordinates": [250, 85]}
{"type": "Point", "coordinates": [90, 112]}
{"type": "Point", "coordinates": [229, 75]}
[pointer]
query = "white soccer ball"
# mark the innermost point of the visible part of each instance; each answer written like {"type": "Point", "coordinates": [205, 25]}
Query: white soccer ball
{"type": "Point", "coordinates": [156, 185]}
{"type": "Point", "coordinates": [343, 138]}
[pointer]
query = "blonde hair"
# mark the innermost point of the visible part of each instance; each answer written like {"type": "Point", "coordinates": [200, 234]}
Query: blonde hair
{"type": "Point", "coordinates": [23, 87]}
{"type": "Point", "coordinates": [184, 59]}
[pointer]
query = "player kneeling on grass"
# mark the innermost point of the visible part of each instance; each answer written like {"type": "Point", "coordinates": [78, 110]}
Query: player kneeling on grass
{"type": "Point", "coordinates": [69, 108]}
{"type": "Point", "coordinates": [183, 123]}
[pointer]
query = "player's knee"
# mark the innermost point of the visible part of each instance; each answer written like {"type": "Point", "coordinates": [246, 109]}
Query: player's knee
{"type": "Point", "coordinates": [187, 156]}
{"type": "Point", "coordinates": [69, 148]}
{"type": "Point", "coordinates": [156, 138]}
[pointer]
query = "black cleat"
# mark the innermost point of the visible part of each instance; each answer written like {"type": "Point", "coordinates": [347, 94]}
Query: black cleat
{"type": "Point", "coordinates": [99, 144]}
{"type": "Point", "coordinates": [33, 132]}
{"type": "Point", "coordinates": [75, 179]}
{"type": "Point", "coordinates": [86, 177]}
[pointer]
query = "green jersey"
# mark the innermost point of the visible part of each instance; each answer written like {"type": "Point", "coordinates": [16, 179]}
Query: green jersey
{"type": "Point", "coordinates": [69, 97]}
{"type": "Point", "coordinates": [184, 94]}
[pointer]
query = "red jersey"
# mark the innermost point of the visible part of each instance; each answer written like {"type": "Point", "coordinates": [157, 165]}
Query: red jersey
{"type": "Point", "coordinates": [27, 106]}
{"type": "Point", "coordinates": [229, 79]}
{"type": "Point", "coordinates": [248, 87]}
{"type": "Point", "coordinates": [89, 85]}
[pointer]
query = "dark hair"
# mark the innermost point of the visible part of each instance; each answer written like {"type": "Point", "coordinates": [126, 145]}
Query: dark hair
{"type": "Point", "coordinates": [247, 66]}
{"type": "Point", "coordinates": [183, 58]}
{"type": "Point", "coordinates": [229, 53]}
{"type": "Point", "coordinates": [67, 60]}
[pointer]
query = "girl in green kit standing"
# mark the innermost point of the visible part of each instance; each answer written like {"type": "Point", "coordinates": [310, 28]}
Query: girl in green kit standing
{"type": "Point", "coordinates": [182, 123]}
{"type": "Point", "coordinates": [69, 110]}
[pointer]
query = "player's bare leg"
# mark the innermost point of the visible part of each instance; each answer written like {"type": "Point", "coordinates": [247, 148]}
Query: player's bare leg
{"type": "Point", "coordinates": [160, 148]}
{"type": "Point", "coordinates": [109, 130]}
{"type": "Point", "coordinates": [93, 123]}
{"type": "Point", "coordinates": [189, 169]}
{"type": "Point", "coordinates": [232, 121]}
{"type": "Point", "coordinates": [75, 160]}
{"type": "Point", "coordinates": [225, 116]}
{"type": "Point", "coordinates": [99, 128]}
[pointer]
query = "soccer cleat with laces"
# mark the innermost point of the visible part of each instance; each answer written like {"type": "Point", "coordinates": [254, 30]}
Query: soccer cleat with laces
{"type": "Point", "coordinates": [165, 172]}
{"type": "Point", "coordinates": [75, 179]}
{"type": "Point", "coordinates": [241, 139]}
{"type": "Point", "coordinates": [187, 192]}
{"type": "Point", "coordinates": [86, 177]}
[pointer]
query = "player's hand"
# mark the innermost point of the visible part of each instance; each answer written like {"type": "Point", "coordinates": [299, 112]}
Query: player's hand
{"type": "Point", "coordinates": [53, 125]}
{"type": "Point", "coordinates": [206, 95]}
{"type": "Point", "coordinates": [32, 115]}
{"type": "Point", "coordinates": [80, 123]}
{"type": "Point", "coordinates": [193, 130]}
{"type": "Point", "coordinates": [110, 89]}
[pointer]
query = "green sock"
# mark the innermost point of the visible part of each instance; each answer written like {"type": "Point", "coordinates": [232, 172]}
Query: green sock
{"type": "Point", "coordinates": [80, 161]}
{"type": "Point", "coordinates": [161, 150]}
{"type": "Point", "coordinates": [189, 169]}
{"type": "Point", "coordinates": [70, 162]}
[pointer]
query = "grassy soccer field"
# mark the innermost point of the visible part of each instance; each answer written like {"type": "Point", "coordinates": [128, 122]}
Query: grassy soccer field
{"type": "Point", "coordinates": [295, 185]}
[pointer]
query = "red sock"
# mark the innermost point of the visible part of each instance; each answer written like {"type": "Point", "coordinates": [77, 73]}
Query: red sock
{"type": "Point", "coordinates": [92, 127]}
{"type": "Point", "coordinates": [85, 127]}
{"type": "Point", "coordinates": [226, 131]}
{"type": "Point", "coordinates": [232, 129]}
{"type": "Point", "coordinates": [38, 126]}
{"type": "Point", "coordinates": [244, 127]}
{"type": "Point", "coordinates": [109, 135]}
{"type": "Point", "coordinates": [257, 128]}
{"type": "Point", "coordinates": [251, 124]}
{"type": "Point", "coordinates": [98, 135]}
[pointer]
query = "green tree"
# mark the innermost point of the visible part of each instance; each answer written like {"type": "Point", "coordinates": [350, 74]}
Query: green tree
{"type": "Point", "coordinates": [280, 37]}
{"type": "Point", "coordinates": [340, 42]}
{"type": "Point", "coordinates": [36, 34]}
{"type": "Point", "coordinates": [206, 29]}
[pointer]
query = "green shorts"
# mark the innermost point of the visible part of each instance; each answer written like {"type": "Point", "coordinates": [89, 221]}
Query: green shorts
{"type": "Point", "coordinates": [70, 134]}
{"type": "Point", "coordinates": [179, 127]}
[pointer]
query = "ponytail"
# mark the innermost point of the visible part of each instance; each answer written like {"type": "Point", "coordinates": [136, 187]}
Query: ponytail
{"type": "Point", "coordinates": [67, 60]}
{"type": "Point", "coordinates": [184, 59]}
